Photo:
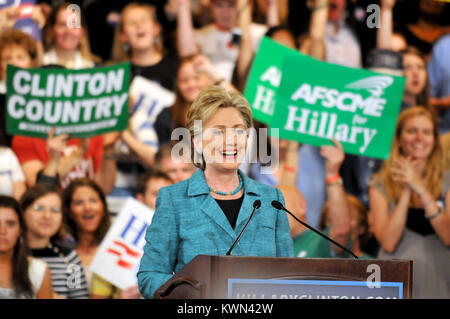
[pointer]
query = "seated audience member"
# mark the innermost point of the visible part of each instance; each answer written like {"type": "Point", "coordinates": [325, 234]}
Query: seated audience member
{"type": "Point", "coordinates": [88, 221]}
{"type": "Point", "coordinates": [42, 212]}
{"type": "Point", "coordinates": [67, 45]}
{"type": "Point", "coordinates": [410, 203]}
{"type": "Point", "coordinates": [21, 276]}
{"type": "Point", "coordinates": [306, 242]}
{"type": "Point", "coordinates": [88, 218]}
{"type": "Point", "coordinates": [359, 224]}
{"type": "Point", "coordinates": [19, 49]}
{"type": "Point", "coordinates": [148, 186]}
{"type": "Point", "coordinates": [175, 165]}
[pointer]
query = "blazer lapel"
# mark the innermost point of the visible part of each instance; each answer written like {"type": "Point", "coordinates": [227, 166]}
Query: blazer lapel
{"type": "Point", "coordinates": [207, 204]}
{"type": "Point", "coordinates": [252, 193]}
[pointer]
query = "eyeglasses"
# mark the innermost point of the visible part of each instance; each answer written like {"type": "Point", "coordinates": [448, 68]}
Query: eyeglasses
{"type": "Point", "coordinates": [43, 208]}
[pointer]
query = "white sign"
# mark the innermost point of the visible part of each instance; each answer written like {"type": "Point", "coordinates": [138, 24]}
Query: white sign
{"type": "Point", "coordinates": [118, 257]}
{"type": "Point", "coordinates": [150, 97]}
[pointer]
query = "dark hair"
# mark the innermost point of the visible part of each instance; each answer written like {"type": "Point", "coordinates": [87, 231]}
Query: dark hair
{"type": "Point", "coordinates": [20, 279]}
{"type": "Point", "coordinates": [141, 186]}
{"type": "Point", "coordinates": [422, 98]}
{"type": "Point", "coordinates": [67, 197]}
{"type": "Point", "coordinates": [36, 192]}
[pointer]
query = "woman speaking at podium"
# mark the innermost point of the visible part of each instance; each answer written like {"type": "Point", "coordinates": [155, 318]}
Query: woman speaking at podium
{"type": "Point", "coordinates": [206, 213]}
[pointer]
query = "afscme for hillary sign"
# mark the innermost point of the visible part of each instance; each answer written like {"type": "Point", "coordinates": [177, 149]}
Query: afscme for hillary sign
{"type": "Point", "coordinates": [311, 101]}
{"type": "Point", "coordinates": [81, 103]}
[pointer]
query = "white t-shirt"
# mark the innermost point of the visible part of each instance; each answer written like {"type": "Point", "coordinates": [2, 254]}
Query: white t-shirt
{"type": "Point", "coordinates": [10, 171]}
{"type": "Point", "coordinates": [36, 273]}
{"type": "Point", "coordinates": [50, 57]}
{"type": "Point", "coordinates": [342, 47]}
{"type": "Point", "coordinates": [216, 45]}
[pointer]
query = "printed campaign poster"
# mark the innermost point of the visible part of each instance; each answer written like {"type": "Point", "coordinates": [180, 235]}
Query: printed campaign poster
{"type": "Point", "coordinates": [118, 257]}
{"type": "Point", "coordinates": [24, 21]}
{"type": "Point", "coordinates": [81, 103]}
{"type": "Point", "coordinates": [265, 78]}
{"type": "Point", "coordinates": [149, 97]}
{"type": "Point", "coordinates": [317, 101]}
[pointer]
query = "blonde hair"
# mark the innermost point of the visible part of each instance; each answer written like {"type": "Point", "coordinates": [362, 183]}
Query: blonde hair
{"type": "Point", "coordinates": [433, 174]}
{"type": "Point", "coordinates": [122, 54]}
{"type": "Point", "coordinates": [207, 103]}
{"type": "Point", "coordinates": [84, 47]}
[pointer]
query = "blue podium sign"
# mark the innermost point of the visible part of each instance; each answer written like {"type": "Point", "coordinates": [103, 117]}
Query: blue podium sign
{"type": "Point", "coordinates": [239, 288]}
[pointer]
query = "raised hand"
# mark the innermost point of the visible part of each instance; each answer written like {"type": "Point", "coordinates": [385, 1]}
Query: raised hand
{"type": "Point", "coordinates": [56, 144]}
{"type": "Point", "coordinates": [334, 156]}
{"type": "Point", "coordinates": [388, 4]}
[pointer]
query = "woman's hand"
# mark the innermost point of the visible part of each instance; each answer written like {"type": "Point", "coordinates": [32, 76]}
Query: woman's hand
{"type": "Point", "coordinates": [406, 172]}
{"type": "Point", "coordinates": [56, 144]}
{"type": "Point", "coordinates": [334, 156]}
{"type": "Point", "coordinates": [388, 4]}
{"type": "Point", "coordinates": [203, 65]}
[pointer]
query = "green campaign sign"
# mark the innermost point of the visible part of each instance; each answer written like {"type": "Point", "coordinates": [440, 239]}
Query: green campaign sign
{"type": "Point", "coordinates": [81, 103]}
{"type": "Point", "coordinates": [265, 78]}
{"type": "Point", "coordinates": [317, 101]}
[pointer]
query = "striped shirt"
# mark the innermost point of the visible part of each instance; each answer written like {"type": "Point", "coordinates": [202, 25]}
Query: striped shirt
{"type": "Point", "coordinates": [68, 277]}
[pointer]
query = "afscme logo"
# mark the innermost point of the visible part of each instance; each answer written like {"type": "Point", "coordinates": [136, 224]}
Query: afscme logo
{"type": "Point", "coordinates": [375, 85]}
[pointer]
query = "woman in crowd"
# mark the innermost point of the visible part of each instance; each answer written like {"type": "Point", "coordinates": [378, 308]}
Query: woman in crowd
{"type": "Point", "coordinates": [417, 91]}
{"type": "Point", "coordinates": [42, 211]}
{"type": "Point", "coordinates": [66, 44]}
{"type": "Point", "coordinates": [88, 218]}
{"type": "Point", "coordinates": [195, 73]}
{"type": "Point", "coordinates": [19, 49]}
{"type": "Point", "coordinates": [20, 276]}
{"type": "Point", "coordinates": [204, 214]}
{"type": "Point", "coordinates": [139, 40]}
{"type": "Point", "coordinates": [414, 63]}
{"type": "Point", "coordinates": [410, 203]}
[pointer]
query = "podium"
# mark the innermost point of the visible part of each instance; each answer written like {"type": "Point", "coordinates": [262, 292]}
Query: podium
{"type": "Point", "coordinates": [212, 277]}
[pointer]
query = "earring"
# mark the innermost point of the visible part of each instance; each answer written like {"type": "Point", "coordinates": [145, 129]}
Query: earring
{"type": "Point", "coordinates": [126, 47]}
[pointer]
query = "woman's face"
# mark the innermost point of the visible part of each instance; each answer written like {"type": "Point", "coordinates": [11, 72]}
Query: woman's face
{"type": "Point", "coordinates": [87, 209]}
{"type": "Point", "coordinates": [9, 229]}
{"type": "Point", "coordinates": [66, 38]}
{"type": "Point", "coordinates": [224, 139]}
{"type": "Point", "coordinates": [414, 70]}
{"type": "Point", "coordinates": [15, 55]}
{"type": "Point", "coordinates": [139, 29]}
{"type": "Point", "coordinates": [44, 216]}
{"type": "Point", "coordinates": [190, 82]}
{"type": "Point", "coordinates": [417, 138]}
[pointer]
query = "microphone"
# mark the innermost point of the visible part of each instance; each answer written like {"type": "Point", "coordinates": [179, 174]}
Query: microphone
{"type": "Point", "coordinates": [280, 206]}
{"type": "Point", "coordinates": [256, 205]}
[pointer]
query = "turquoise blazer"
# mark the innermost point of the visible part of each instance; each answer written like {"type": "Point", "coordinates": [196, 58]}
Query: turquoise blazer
{"type": "Point", "coordinates": [189, 222]}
